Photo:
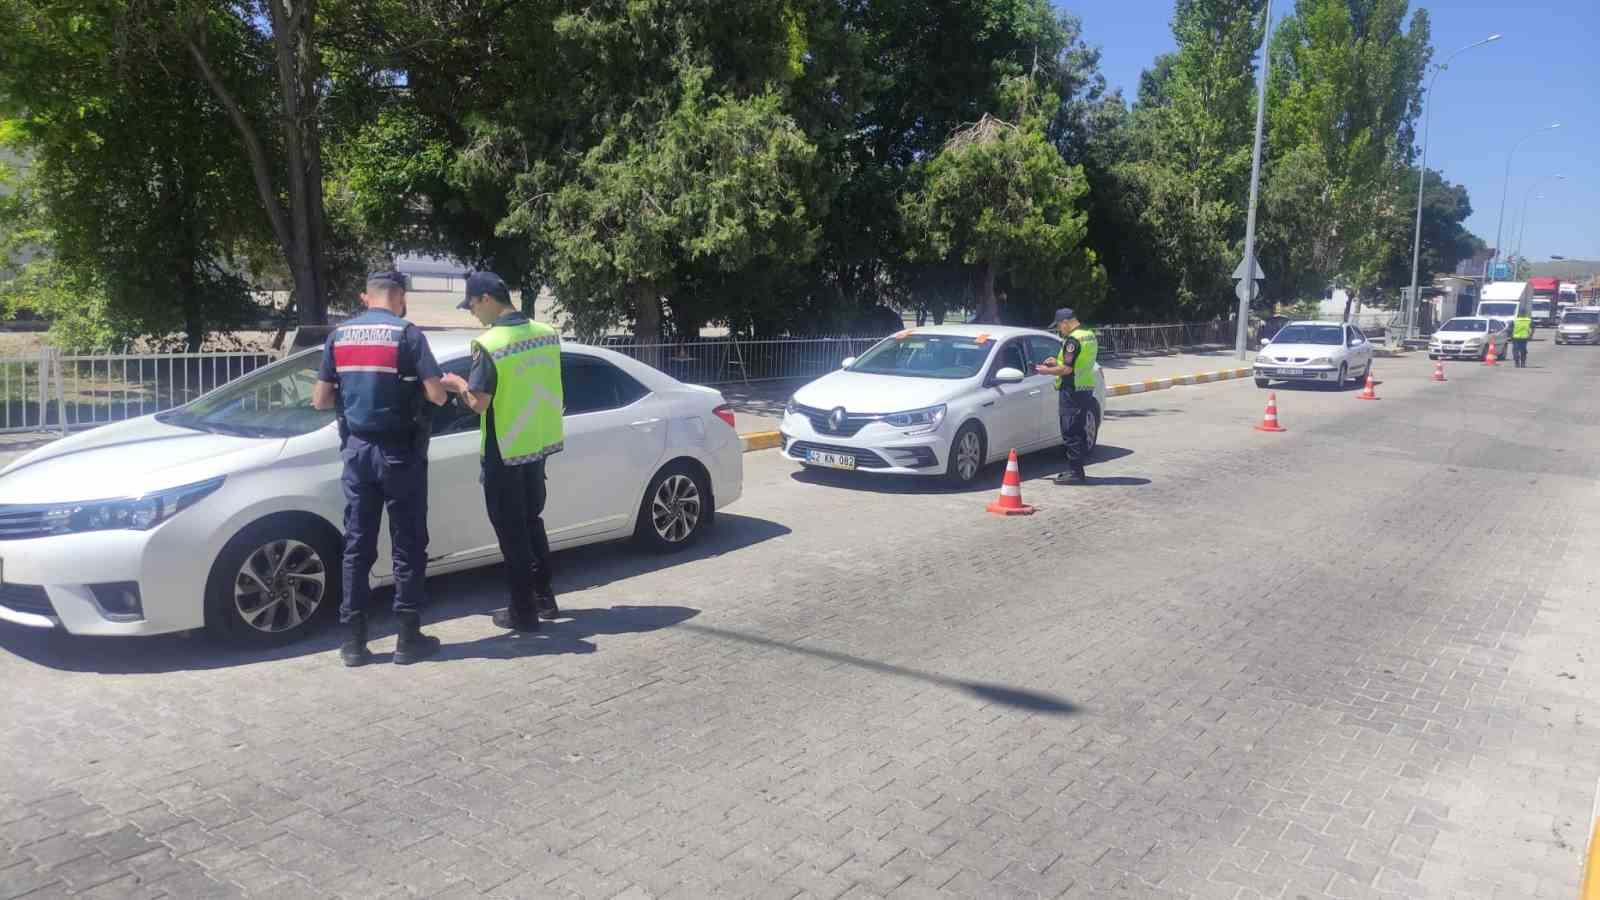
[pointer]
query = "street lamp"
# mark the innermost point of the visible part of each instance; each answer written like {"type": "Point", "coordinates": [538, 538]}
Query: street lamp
{"type": "Point", "coordinates": [1422, 175]}
{"type": "Point", "coordinates": [1523, 231]}
{"type": "Point", "coordinates": [1505, 186]}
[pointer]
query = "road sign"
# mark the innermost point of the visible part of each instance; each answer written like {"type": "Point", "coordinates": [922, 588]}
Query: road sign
{"type": "Point", "coordinates": [1247, 291]}
{"type": "Point", "coordinates": [1245, 264]}
{"type": "Point", "coordinates": [1500, 270]}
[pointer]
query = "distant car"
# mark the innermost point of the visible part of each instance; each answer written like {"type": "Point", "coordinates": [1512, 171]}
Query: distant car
{"type": "Point", "coordinates": [943, 400]}
{"type": "Point", "coordinates": [1326, 352]}
{"type": "Point", "coordinates": [1469, 337]}
{"type": "Point", "coordinates": [1579, 325]}
{"type": "Point", "coordinates": [225, 512]}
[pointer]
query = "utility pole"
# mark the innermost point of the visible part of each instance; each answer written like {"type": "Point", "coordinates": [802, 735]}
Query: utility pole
{"type": "Point", "coordinates": [1247, 287]}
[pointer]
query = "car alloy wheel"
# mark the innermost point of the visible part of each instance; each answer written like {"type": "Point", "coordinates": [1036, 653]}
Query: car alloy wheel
{"type": "Point", "coordinates": [969, 454]}
{"type": "Point", "coordinates": [675, 509]}
{"type": "Point", "coordinates": [1091, 430]}
{"type": "Point", "coordinates": [280, 585]}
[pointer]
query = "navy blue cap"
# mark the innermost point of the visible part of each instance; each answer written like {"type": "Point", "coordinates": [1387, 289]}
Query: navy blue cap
{"type": "Point", "coordinates": [1064, 314]}
{"type": "Point", "coordinates": [388, 278]}
{"type": "Point", "coordinates": [480, 283]}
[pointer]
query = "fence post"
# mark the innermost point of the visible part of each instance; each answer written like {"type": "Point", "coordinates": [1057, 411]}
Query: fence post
{"type": "Point", "coordinates": [61, 392]}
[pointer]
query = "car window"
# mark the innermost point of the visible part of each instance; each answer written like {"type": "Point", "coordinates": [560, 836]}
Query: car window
{"type": "Point", "coordinates": [454, 417]}
{"type": "Point", "coordinates": [274, 401]}
{"type": "Point", "coordinates": [1041, 348]}
{"type": "Point", "coordinates": [594, 385]}
{"type": "Point", "coordinates": [1010, 356]}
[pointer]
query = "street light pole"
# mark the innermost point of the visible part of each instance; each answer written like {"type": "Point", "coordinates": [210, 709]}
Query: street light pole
{"type": "Point", "coordinates": [1422, 175]}
{"type": "Point", "coordinates": [1255, 180]}
{"type": "Point", "coordinates": [1506, 185]}
{"type": "Point", "coordinates": [1523, 231]}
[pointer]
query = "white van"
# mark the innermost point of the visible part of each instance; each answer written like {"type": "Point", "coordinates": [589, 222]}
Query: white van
{"type": "Point", "coordinates": [1505, 300]}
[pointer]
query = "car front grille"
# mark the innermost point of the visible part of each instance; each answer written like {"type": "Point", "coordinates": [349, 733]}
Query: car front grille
{"type": "Point", "coordinates": [19, 523]}
{"type": "Point", "coordinates": [853, 422]}
{"type": "Point", "coordinates": [865, 459]}
{"type": "Point", "coordinates": [26, 598]}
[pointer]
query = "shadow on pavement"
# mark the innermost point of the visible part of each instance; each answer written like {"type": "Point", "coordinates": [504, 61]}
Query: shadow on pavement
{"type": "Point", "coordinates": [1020, 698]}
{"type": "Point", "coordinates": [568, 635]}
{"type": "Point", "coordinates": [476, 592]}
{"type": "Point", "coordinates": [1037, 466]}
{"type": "Point", "coordinates": [1141, 413]}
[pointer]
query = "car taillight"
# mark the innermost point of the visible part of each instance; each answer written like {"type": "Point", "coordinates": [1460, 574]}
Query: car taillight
{"type": "Point", "coordinates": [725, 413]}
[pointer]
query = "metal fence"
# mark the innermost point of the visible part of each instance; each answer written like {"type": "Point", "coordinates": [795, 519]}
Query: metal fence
{"type": "Point", "coordinates": [59, 392]}
{"type": "Point", "coordinates": [1127, 340]}
{"type": "Point", "coordinates": [728, 360]}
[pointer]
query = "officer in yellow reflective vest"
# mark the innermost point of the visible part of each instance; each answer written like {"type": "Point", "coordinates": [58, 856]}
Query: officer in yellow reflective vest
{"type": "Point", "coordinates": [1521, 334]}
{"type": "Point", "coordinates": [1074, 372]}
{"type": "Point", "coordinates": [515, 385]}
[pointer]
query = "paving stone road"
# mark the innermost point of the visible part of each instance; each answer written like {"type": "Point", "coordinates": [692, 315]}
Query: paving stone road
{"type": "Point", "coordinates": [1353, 660]}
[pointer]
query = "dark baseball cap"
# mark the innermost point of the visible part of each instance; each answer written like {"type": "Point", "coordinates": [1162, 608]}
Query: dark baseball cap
{"type": "Point", "coordinates": [387, 279]}
{"type": "Point", "coordinates": [480, 283]}
{"type": "Point", "coordinates": [1064, 314]}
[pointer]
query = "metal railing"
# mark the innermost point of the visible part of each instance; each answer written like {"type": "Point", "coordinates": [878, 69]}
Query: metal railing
{"type": "Point", "coordinates": [59, 392]}
{"type": "Point", "coordinates": [728, 360]}
{"type": "Point", "coordinates": [1126, 340]}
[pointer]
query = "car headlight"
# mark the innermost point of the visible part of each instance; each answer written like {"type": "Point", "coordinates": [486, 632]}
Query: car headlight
{"type": "Point", "coordinates": [1321, 361]}
{"type": "Point", "coordinates": [789, 407]}
{"type": "Point", "coordinates": [1471, 341]}
{"type": "Point", "coordinates": [925, 419]}
{"type": "Point", "coordinates": [132, 513]}
{"type": "Point", "coordinates": [1264, 360]}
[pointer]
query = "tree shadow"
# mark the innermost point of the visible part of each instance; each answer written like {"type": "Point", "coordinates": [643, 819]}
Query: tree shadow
{"type": "Point", "coordinates": [1007, 695]}
{"type": "Point", "coordinates": [1035, 466]}
{"type": "Point", "coordinates": [452, 596]}
{"type": "Point", "coordinates": [1141, 413]}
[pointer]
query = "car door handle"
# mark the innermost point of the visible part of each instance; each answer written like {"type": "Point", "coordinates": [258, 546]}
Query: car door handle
{"type": "Point", "coordinates": [644, 424]}
{"type": "Point", "coordinates": [1036, 392]}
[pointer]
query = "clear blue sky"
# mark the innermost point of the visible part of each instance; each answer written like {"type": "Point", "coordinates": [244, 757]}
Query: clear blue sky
{"type": "Point", "coordinates": [1545, 68]}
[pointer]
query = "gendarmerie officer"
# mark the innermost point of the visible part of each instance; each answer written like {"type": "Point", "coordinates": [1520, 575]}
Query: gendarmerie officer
{"type": "Point", "coordinates": [515, 385]}
{"type": "Point", "coordinates": [377, 370]}
{"type": "Point", "coordinates": [1074, 371]}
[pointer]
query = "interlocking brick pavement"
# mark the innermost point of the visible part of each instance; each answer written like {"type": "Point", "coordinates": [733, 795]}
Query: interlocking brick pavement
{"type": "Point", "coordinates": [1346, 661]}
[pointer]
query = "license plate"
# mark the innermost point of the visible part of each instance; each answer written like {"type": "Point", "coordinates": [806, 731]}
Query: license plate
{"type": "Point", "coordinates": [831, 460]}
{"type": "Point", "coordinates": [1291, 371]}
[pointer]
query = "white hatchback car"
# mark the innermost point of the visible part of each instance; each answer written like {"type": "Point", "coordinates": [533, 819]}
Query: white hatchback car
{"type": "Point", "coordinates": [225, 513]}
{"type": "Point", "coordinates": [1469, 337]}
{"type": "Point", "coordinates": [944, 400]}
{"type": "Point", "coordinates": [1329, 352]}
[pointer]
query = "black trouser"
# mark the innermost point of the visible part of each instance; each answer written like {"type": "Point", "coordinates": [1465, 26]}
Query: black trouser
{"type": "Point", "coordinates": [1075, 408]}
{"type": "Point", "coordinates": [514, 496]}
{"type": "Point", "coordinates": [384, 473]}
{"type": "Point", "coordinates": [1519, 351]}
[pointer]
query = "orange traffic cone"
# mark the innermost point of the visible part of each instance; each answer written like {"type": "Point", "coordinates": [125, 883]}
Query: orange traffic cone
{"type": "Point", "coordinates": [1009, 503]}
{"type": "Point", "coordinates": [1489, 359]}
{"type": "Point", "coordinates": [1438, 370]}
{"type": "Point", "coordinates": [1368, 393]}
{"type": "Point", "coordinates": [1269, 422]}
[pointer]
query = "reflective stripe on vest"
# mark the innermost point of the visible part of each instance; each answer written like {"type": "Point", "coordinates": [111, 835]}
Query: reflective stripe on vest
{"type": "Point", "coordinates": [527, 400]}
{"type": "Point", "coordinates": [366, 355]}
{"type": "Point", "coordinates": [1083, 363]}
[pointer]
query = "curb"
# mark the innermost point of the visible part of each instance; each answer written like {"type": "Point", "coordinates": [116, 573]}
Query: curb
{"type": "Point", "coordinates": [1161, 384]}
{"type": "Point", "coordinates": [761, 440]}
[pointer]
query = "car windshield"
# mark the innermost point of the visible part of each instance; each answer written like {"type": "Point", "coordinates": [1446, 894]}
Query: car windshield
{"type": "Point", "coordinates": [926, 356]}
{"type": "Point", "coordinates": [1328, 335]}
{"type": "Point", "coordinates": [1463, 325]}
{"type": "Point", "coordinates": [1541, 306]}
{"type": "Point", "coordinates": [1581, 318]}
{"type": "Point", "coordinates": [1497, 309]}
{"type": "Point", "coordinates": [274, 401]}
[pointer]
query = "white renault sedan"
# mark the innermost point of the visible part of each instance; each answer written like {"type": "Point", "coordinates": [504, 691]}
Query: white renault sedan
{"type": "Point", "coordinates": [226, 513]}
{"type": "Point", "coordinates": [1469, 337]}
{"type": "Point", "coordinates": [1329, 352]}
{"type": "Point", "coordinates": [945, 400]}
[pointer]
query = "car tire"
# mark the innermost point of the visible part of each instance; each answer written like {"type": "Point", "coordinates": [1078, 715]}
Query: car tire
{"type": "Point", "coordinates": [676, 510]}
{"type": "Point", "coordinates": [1263, 382]}
{"type": "Point", "coordinates": [298, 556]}
{"type": "Point", "coordinates": [968, 452]}
{"type": "Point", "coordinates": [1091, 427]}
{"type": "Point", "coordinates": [1344, 377]}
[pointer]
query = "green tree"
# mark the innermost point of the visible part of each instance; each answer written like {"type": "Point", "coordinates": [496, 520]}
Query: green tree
{"type": "Point", "coordinates": [1343, 99]}
{"type": "Point", "coordinates": [1000, 199]}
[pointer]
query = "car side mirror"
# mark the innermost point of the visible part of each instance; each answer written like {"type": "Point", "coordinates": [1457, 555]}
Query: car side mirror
{"type": "Point", "coordinates": [1008, 375]}
{"type": "Point", "coordinates": [1266, 341]}
{"type": "Point", "coordinates": [848, 362]}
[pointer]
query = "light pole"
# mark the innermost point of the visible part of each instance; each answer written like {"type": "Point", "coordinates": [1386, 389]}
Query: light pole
{"type": "Point", "coordinates": [1523, 231]}
{"type": "Point", "coordinates": [1422, 175]}
{"type": "Point", "coordinates": [1245, 286]}
{"type": "Point", "coordinates": [1505, 186]}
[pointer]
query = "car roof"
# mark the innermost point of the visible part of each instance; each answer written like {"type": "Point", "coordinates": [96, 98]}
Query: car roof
{"type": "Point", "coordinates": [1311, 322]}
{"type": "Point", "coordinates": [997, 332]}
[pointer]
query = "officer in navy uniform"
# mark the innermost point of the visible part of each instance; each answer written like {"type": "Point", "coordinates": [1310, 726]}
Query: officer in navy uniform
{"type": "Point", "coordinates": [377, 370]}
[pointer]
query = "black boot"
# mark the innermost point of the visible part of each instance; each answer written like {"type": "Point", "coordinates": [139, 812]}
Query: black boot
{"type": "Point", "coordinates": [516, 618]}
{"type": "Point", "coordinates": [413, 644]}
{"type": "Point", "coordinates": [544, 600]}
{"type": "Point", "coordinates": [354, 652]}
{"type": "Point", "coordinates": [1076, 475]}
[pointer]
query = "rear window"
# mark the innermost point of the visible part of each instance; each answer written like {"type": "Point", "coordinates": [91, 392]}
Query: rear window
{"type": "Point", "coordinates": [1498, 309]}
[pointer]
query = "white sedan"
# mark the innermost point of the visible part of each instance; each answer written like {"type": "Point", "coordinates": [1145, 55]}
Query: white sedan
{"type": "Point", "coordinates": [944, 400]}
{"type": "Point", "coordinates": [225, 513]}
{"type": "Point", "coordinates": [1329, 352]}
{"type": "Point", "coordinates": [1464, 338]}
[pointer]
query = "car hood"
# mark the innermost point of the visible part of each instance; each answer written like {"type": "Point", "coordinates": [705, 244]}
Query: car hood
{"type": "Point", "coordinates": [865, 393]}
{"type": "Point", "coordinates": [126, 459]}
{"type": "Point", "coordinates": [1458, 335]}
{"type": "Point", "coordinates": [1307, 350]}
